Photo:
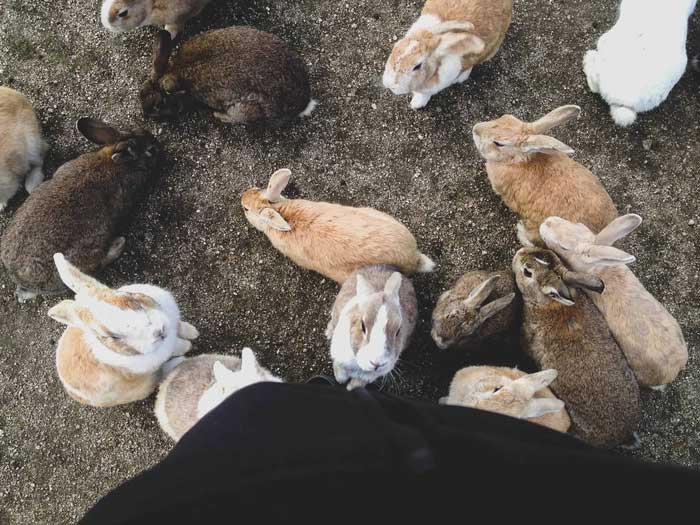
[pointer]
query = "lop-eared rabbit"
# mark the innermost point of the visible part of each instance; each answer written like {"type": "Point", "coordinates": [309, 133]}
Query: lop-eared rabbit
{"type": "Point", "coordinates": [22, 148]}
{"type": "Point", "coordinates": [123, 15]}
{"type": "Point", "coordinates": [195, 386]}
{"type": "Point", "coordinates": [371, 324]}
{"type": "Point", "coordinates": [648, 334]}
{"type": "Point", "coordinates": [564, 330]}
{"type": "Point", "coordinates": [80, 211]}
{"type": "Point", "coordinates": [244, 75]}
{"type": "Point", "coordinates": [480, 305]}
{"type": "Point", "coordinates": [510, 392]}
{"type": "Point", "coordinates": [535, 177]}
{"type": "Point", "coordinates": [444, 44]}
{"type": "Point", "coordinates": [639, 61]}
{"type": "Point", "coordinates": [331, 239]}
{"type": "Point", "coordinates": [117, 341]}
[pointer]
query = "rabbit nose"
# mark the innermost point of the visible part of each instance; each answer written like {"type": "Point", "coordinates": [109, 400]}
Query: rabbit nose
{"type": "Point", "coordinates": [376, 365]}
{"type": "Point", "coordinates": [159, 334]}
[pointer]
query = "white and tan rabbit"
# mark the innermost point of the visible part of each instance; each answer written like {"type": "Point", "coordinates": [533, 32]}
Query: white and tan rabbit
{"type": "Point", "coordinates": [22, 148]}
{"type": "Point", "coordinates": [639, 61]}
{"type": "Point", "coordinates": [117, 341]}
{"type": "Point", "coordinates": [81, 210]}
{"type": "Point", "coordinates": [331, 239]}
{"type": "Point", "coordinates": [123, 15]}
{"type": "Point", "coordinates": [648, 334]}
{"type": "Point", "coordinates": [371, 324]}
{"type": "Point", "coordinates": [564, 331]}
{"type": "Point", "coordinates": [510, 392]}
{"type": "Point", "coordinates": [444, 44]}
{"type": "Point", "coordinates": [199, 384]}
{"type": "Point", "coordinates": [535, 177]}
{"type": "Point", "coordinates": [480, 305]}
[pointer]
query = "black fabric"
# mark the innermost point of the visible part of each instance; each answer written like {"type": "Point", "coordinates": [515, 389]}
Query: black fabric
{"type": "Point", "coordinates": [279, 453]}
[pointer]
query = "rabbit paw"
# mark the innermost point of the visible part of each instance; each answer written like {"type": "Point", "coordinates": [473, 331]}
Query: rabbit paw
{"type": "Point", "coordinates": [187, 331]}
{"type": "Point", "coordinates": [419, 100]}
{"type": "Point", "coordinates": [35, 177]}
{"type": "Point", "coordinates": [182, 346]}
{"type": "Point", "coordinates": [356, 383]}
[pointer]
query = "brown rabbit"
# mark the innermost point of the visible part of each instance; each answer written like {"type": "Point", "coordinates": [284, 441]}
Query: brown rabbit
{"type": "Point", "coordinates": [595, 382]}
{"type": "Point", "coordinates": [535, 177]}
{"type": "Point", "coordinates": [80, 210]}
{"type": "Point", "coordinates": [331, 239]}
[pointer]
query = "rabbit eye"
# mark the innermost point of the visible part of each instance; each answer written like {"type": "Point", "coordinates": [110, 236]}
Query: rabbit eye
{"type": "Point", "coordinates": [417, 67]}
{"type": "Point", "coordinates": [364, 328]}
{"type": "Point", "coordinates": [497, 389]}
{"type": "Point", "coordinates": [498, 144]}
{"type": "Point", "coordinates": [123, 13]}
{"type": "Point", "coordinates": [398, 332]}
{"type": "Point", "coordinates": [527, 273]}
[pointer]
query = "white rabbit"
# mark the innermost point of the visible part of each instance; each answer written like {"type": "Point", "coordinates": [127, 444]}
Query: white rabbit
{"type": "Point", "coordinates": [117, 340]}
{"type": "Point", "coordinates": [123, 15]}
{"type": "Point", "coordinates": [197, 385]}
{"type": "Point", "coordinates": [639, 61]}
{"type": "Point", "coordinates": [648, 334]}
{"type": "Point", "coordinates": [509, 392]}
{"type": "Point", "coordinates": [21, 147]}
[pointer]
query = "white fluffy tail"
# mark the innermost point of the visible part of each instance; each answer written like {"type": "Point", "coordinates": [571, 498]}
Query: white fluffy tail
{"type": "Point", "coordinates": [309, 109]}
{"type": "Point", "coordinates": [425, 264]}
{"type": "Point", "coordinates": [623, 116]}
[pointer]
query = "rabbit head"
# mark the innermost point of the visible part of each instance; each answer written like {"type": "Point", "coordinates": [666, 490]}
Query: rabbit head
{"type": "Point", "coordinates": [123, 15]}
{"type": "Point", "coordinates": [260, 206]}
{"type": "Point", "coordinates": [164, 96]}
{"type": "Point", "coordinates": [494, 389]}
{"type": "Point", "coordinates": [226, 381]}
{"type": "Point", "coordinates": [415, 59]}
{"type": "Point", "coordinates": [456, 318]}
{"type": "Point", "coordinates": [582, 249]}
{"type": "Point", "coordinates": [508, 138]}
{"type": "Point", "coordinates": [542, 278]}
{"type": "Point", "coordinates": [136, 147]}
{"type": "Point", "coordinates": [127, 323]}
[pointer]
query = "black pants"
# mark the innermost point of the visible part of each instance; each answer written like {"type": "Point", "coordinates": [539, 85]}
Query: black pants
{"type": "Point", "coordinates": [299, 453]}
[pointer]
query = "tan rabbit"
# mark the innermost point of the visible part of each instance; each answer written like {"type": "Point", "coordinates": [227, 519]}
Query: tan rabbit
{"type": "Point", "coordinates": [197, 385]}
{"type": "Point", "coordinates": [123, 15]}
{"type": "Point", "coordinates": [509, 392]}
{"type": "Point", "coordinates": [648, 334]}
{"type": "Point", "coordinates": [444, 44]}
{"type": "Point", "coordinates": [22, 149]}
{"type": "Point", "coordinates": [331, 239]}
{"type": "Point", "coordinates": [595, 382]}
{"type": "Point", "coordinates": [464, 315]}
{"type": "Point", "coordinates": [117, 341]}
{"type": "Point", "coordinates": [535, 177]}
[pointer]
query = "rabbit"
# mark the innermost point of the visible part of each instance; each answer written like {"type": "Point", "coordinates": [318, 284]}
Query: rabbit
{"type": "Point", "coordinates": [565, 331]}
{"type": "Point", "coordinates": [331, 239]}
{"type": "Point", "coordinates": [464, 314]}
{"type": "Point", "coordinates": [79, 211]}
{"type": "Point", "coordinates": [199, 384]}
{"type": "Point", "coordinates": [639, 61]}
{"type": "Point", "coordinates": [244, 75]}
{"type": "Point", "coordinates": [117, 341]}
{"type": "Point", "coordinates": [536, 179]}
{"type": "Point", "coordinates": [648, 334]}
{"type": "Point", "coordinates": [22, 147]}
{"type": "Point", "coordinates": [510, 392]}
{"type": "Point", "coordinates": [444, 44]}
{"type": "Point", "coordinates": [371, 324]}
{"type": "Point", "coordinates": [123, 15]}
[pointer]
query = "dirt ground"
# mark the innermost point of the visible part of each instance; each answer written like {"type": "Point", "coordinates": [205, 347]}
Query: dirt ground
{"type": "Point", "coordinates": [363, 146]}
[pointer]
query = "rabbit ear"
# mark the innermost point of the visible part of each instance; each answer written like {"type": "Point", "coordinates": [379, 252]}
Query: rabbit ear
{"type": "Point", "coordinates": [496, 306]}
{"type": "Point", "coordinates": [479, 294]}
{"type": "Point", "coordinates": [393, 285]}
{"type": "Point", "coordinates": [221, 373]}
{"type": "Point", "coordinates": [555, 118]}
{"type": "Point", "coordinates": [541, 406]}
{"type": "Point", "coordinates": [588, 281]}
{"type": "Point", "coordinates": [453, 25]}
{"type": "Point", "coordinates": [278, 182]}
{"type": "Point", "coordinates": [609, 256]}
{"type": "Point", "coordinates": [530, 384]}
{"type": "Point", "coordinates": [161, 55]}
{"type": "Point", "coordinates": [97, 132]}
{"type": "Point", "coordinates": [75, 279]}
{"type": "Point", "coordinates": [459, 44]}
{"type": "Point", "coordinates": [68, 313]}
{"type": "Point", "coordinates": [560, 295]}
{"type": "Point", "coordinates": [274, 220]}
{"type": "Point", "coordinates": [249, 364]}
{"type": "Point", "coordinates": [544, 144]}
{"type": "Point", "coordinates": [617, 229]}
{"type": "Point", "coordinates": [363, 288]}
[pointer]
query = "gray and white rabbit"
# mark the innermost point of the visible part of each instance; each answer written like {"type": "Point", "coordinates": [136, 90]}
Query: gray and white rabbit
{"type": "Point", "coordinates": [79, 211]}
{"type": "Point", "coordinates": [371, 324]}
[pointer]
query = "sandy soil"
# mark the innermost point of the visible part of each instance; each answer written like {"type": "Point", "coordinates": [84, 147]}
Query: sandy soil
{"type": "Point", "coordinates": [364, 146]}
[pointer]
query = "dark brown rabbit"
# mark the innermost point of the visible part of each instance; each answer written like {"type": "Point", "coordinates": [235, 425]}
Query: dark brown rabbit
{"type": "Point", "coordinates": [246, 76]}
{"type": "Point", "coordinates": [78, 212]}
